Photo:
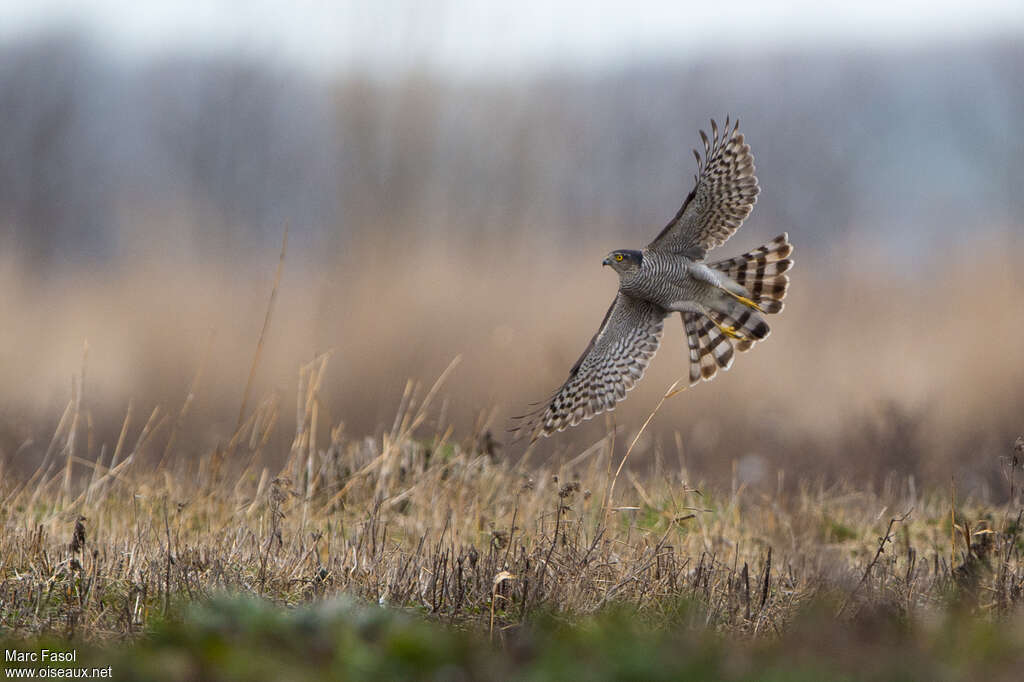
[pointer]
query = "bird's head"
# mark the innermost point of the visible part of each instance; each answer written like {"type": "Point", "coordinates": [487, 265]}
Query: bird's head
{"type": "Point", "coordinates": [624, 261]}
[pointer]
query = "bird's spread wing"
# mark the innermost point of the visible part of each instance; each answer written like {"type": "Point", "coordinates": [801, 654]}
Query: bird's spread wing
{"type": "Point", "coordinates": [722, 198]}
{"type": "Point", "coordinates": [611, 365]}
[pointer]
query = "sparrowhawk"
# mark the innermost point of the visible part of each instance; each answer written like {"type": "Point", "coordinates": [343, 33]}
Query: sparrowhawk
{"type": "Point", "coordinates": [722, 304]}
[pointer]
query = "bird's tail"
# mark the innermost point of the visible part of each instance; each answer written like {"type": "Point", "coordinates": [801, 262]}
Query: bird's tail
{"type": "Point", "coordinates": [762, 272]}
{"type": "Point", "coordinates": [711, 337]}
{"type": "Point", "coordinates": [710, 346]}
{"type": "Point", "coordinates": [739, 324]}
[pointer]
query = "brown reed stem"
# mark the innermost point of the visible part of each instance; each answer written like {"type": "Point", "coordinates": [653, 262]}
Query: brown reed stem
{"type": "Point", "coordinates": [263, 331]}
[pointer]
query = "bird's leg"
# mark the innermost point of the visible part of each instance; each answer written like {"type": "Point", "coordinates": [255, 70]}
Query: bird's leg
{"type": "Point", "coordinates": [729, 331]}
{"type": "Point", "coordinates": [744, 300]}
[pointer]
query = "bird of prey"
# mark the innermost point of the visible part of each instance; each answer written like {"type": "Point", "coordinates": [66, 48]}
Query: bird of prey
{"type": "Point", "coordinates": [722, 304]}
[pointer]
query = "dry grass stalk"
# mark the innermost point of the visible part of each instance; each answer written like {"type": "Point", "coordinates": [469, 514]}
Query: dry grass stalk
{"type": "Point", "coordinates": [263, 330]}
{"type": "Point", "coordinates": [611, 487]}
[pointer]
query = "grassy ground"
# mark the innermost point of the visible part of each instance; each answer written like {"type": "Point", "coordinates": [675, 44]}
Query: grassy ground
{"type": "Point", "coordinates": [231, 639]}
{"type": "Point", "coordinates": [560, 569]}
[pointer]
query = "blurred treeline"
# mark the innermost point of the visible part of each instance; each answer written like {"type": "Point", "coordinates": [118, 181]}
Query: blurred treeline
{"type": "Point", "coordinates": [208, 156]}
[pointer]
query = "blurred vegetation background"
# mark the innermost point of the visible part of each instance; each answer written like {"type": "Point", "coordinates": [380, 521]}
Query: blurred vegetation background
{"type": "Point", "coordinates": [438, 210]}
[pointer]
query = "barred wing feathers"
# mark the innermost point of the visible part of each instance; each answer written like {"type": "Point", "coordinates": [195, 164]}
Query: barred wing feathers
{"type": "Point", "coordinates": [723, 197]}
{"type": "Point", "coordinates": [612, 364]}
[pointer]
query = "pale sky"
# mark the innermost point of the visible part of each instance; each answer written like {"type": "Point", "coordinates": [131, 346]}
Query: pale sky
{"type": "Point", "coordinates": [506, 35]}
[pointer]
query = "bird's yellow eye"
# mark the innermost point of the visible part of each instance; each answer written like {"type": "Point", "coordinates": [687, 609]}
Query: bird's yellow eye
{"type": "Point", "coordinates": [618, 257]}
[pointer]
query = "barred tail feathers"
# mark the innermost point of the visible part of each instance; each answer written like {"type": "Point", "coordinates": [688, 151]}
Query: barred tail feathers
{"type": "Point", "coordinates": [740, 321]}
{"type": "Point", "coordinates": [762, 272]}
{"type": "Point", "coordinates": [710, 347]}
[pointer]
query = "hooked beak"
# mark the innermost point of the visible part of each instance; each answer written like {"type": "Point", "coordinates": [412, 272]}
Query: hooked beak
{"type": "Point", "coordinates": [606, 261]}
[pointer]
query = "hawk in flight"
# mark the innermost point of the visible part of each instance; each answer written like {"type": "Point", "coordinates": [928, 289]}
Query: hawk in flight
{"type": "Point", "coordinates": [722, 304]}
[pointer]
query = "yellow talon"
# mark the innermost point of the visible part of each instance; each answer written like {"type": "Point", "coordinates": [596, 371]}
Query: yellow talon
{"type": "Point", "coordinates": [745, 301]}
{"type": "Point", "coordinates": [730, 331]}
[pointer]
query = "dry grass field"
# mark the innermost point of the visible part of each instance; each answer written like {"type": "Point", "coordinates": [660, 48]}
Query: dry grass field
{"type": "Point", "coordinates": [853, 480]}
